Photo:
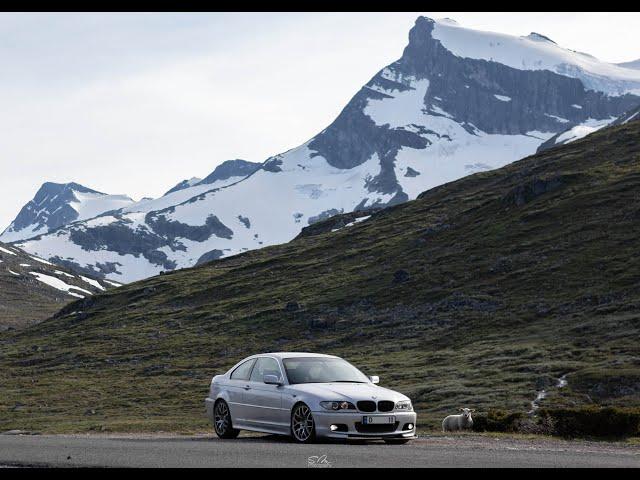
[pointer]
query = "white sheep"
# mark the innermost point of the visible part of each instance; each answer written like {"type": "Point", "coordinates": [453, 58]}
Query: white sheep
{"type": "Point", "coordinates": [458, 422]}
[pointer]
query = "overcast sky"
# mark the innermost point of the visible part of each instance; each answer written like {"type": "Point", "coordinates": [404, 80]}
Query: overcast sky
{"type": "Point", "coordinates": [133, 103]}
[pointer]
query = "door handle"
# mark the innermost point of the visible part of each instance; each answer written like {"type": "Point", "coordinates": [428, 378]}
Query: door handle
{"type": "Point", "coordinates": [247, 387]}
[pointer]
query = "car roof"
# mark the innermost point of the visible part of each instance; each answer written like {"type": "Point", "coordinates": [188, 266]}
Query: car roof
{"type": "Point", "coordinates": [282, 355]}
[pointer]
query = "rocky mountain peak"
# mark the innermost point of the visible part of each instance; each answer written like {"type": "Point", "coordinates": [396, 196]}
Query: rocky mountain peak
{"type": "Point", "coordinates": [539, 38]}
{"type": "Point", "coordinates": [184, 184]}
{"type": "Point", "coordinates": [231, 168]}
{"type": "Point", "coordinates": [58, 204]}
{"type": "Point", "coordinates": [49, 189]}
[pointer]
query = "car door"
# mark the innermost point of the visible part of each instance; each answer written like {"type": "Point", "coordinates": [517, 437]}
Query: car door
{"type": "Point", "coordinates": [238, 381]}
{"type": "Point", "coordinates": [264, 401]}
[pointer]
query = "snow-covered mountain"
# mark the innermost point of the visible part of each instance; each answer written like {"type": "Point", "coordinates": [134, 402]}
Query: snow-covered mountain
{"type": "Point", "coordinates": [635, 64]}
{"type": "Point", "coordinates": [190, 182]}
{"type": "Point", "coordinates": [228, 172]}
{"type": "Point", "coordinates": [58, 204]}
{"type": "Point", "coordinates": [458, 101]}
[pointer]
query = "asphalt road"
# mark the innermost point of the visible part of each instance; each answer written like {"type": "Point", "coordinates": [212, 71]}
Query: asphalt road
{"type": "Point", "coordinates": [267, 451]}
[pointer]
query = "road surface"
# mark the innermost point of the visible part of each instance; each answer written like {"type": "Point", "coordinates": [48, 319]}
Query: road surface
{"type": "Point", "coordinates": [269, 451]}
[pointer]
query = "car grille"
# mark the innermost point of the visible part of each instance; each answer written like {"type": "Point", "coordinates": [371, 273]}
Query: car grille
{"type": "Point", "coordinates": [367, 406]}
{"type": "Point", "coordinates": [376, 428]}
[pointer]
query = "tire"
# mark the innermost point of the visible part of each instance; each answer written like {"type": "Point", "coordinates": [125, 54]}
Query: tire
{"type": "Point", "coordinates": [401, 441]}
{"type": "Point", "coordinates": [222, 421]}
{"type": "Point", "coordinates": [303, 427]}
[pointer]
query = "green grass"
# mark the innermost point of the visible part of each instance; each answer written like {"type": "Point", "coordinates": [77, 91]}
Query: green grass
{"type": "Point", "coordinates": [501, 298]}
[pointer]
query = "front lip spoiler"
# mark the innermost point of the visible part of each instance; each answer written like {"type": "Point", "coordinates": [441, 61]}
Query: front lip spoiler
{"type": "Point", "coordinates": [375, 436]}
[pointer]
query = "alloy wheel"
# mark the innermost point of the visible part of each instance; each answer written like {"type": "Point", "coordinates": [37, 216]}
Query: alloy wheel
{"type": "Point", "coordinates": [302, 425]}
{"type": "Point", "coordinates": [222, 418]}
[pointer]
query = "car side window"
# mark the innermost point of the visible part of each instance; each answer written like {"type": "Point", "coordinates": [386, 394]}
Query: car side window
{"type": "Point", "coordinates": [265, 366]}
{"type": "Point", "coordinates": [243, 371]}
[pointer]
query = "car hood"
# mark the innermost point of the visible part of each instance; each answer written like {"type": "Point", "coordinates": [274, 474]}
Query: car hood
{"type": "Point", "coordinates": [353, 392]}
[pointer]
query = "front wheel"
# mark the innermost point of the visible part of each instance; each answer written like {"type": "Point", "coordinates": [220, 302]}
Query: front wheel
{"type": "Point", "coordinates": [303, 428]}
{"type": "Point", "coordinates": [222, 421]}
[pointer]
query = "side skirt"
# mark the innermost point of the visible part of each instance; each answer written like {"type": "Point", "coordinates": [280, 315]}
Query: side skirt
{"type": "Point", "coordinates": [254, 427]}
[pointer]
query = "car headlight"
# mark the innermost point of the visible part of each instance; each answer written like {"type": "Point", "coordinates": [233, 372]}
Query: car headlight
{"type": "Point", "coordinates": [404, 405]}
{"type": "Point", "coordinates": [337, 406]}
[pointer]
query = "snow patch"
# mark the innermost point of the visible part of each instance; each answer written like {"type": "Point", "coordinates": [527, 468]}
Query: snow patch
{"type": "Point", "coordinates": [58, 272]}
{"type": "Point", "coordinates": [351, 224]}
{"type": "Point", "coordinates": [7, 251]}
{"type": "Point", "coordinates": [92, 282]}
{"type": "Point", "coordinates": [58, 284]}
{"type": "Point", "coordinates": [41, 260]}
{"type": "Point", "coordinates": [556, 118]}
{"type": "Point", "coordinates": [89, 205]}
{"type": "Point", "coordinates": [402, 108]}
{"type": "Point", "coordinates": [582, 130]}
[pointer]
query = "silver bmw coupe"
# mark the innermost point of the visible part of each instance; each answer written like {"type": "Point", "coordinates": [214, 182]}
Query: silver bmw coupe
{"type": "Point", "coordinates": [307, 396]}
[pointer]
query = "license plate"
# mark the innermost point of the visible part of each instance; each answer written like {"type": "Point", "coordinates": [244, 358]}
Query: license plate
{"type": "Point", "coordinates": [367, 420]}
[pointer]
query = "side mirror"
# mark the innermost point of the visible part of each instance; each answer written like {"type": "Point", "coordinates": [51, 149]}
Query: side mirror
{"type": "Point", "coordinates": [374, 379]}
{"type": "Point", "coordinates": [271, 380]}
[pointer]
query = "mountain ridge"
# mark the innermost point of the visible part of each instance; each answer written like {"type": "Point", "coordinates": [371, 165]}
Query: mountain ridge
{"type": "Point", "coordinates": [229, 170]}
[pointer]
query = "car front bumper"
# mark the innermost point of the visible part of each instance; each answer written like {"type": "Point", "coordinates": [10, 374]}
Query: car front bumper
{"type": "Point", "coordinates": [350, 425]}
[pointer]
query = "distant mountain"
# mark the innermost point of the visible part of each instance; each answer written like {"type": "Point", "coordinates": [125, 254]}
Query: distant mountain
{"type": "Point", "coordinates": [230, 171]}
{"type": "Point", "coordinates": [227, 172]}
{"type": "Point", "coordinates": [58, 204]}
{"type": "Point", "coordinates": [458, 101]}
{"type": "Point", "coordinates": [32, 289]}
{"type": "Point", "coordinates": [184, 184]}
{"type": "Point", "coordinates": [635, 64]}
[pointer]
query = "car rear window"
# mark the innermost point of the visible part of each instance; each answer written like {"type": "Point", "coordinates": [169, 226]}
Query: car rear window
{"type": "Point", "coordinates": [243, 370]}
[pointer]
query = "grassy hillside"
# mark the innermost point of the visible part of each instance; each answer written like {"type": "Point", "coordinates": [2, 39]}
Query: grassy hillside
{"type": "Point", "coordinates": [24, 300]}
{"type": "Point", "coordinates": [479, 293]}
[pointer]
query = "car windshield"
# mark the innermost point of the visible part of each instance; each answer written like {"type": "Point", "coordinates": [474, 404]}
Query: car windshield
{"type": "Point", "coordinates": [322, 370]}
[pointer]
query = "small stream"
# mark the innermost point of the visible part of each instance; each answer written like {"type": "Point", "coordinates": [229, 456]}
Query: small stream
{"type": "Point", "coordinates": [562, 381]}
{"type": "Point", "coordinates": [542, 394]}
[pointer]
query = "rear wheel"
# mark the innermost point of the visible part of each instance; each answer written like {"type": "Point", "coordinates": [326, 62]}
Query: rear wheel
{"type": "Point", "coordinates": [393, 441]}
{"type": "Point", "coordinates": [222, 421]}
{"type": "Point", "coordinates": [303, 428]}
